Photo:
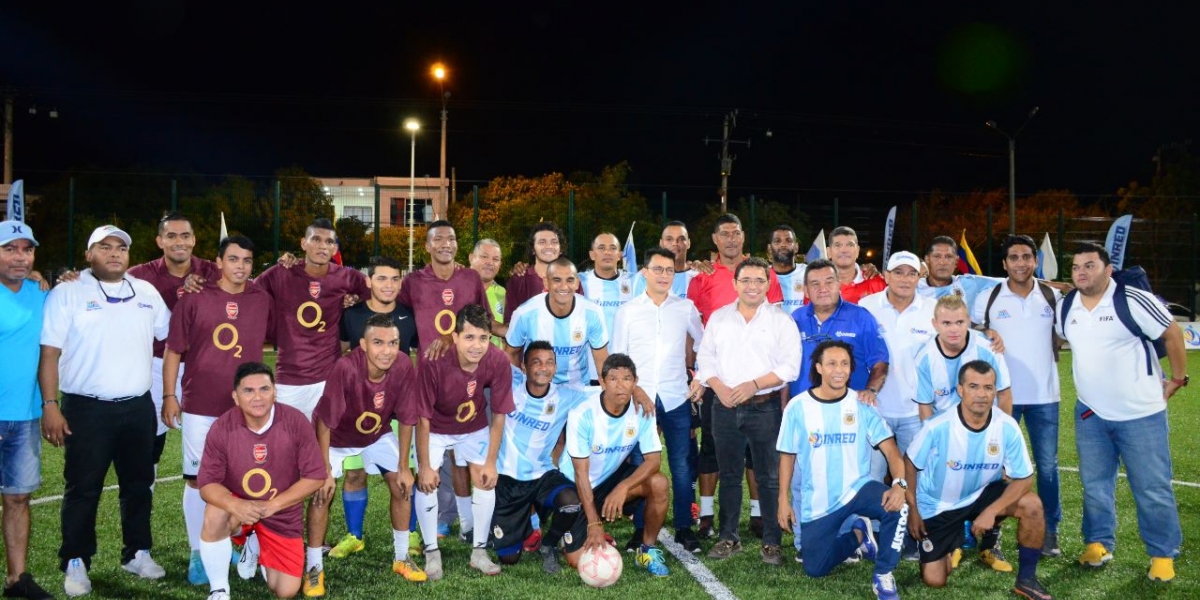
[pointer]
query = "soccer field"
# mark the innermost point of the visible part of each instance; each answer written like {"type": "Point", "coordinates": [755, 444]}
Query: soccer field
{"type": "Point", "coordinates": [368, 574]}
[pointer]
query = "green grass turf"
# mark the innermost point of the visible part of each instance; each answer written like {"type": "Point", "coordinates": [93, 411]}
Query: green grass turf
{"type": "Point", "coordinates": [368, 574]}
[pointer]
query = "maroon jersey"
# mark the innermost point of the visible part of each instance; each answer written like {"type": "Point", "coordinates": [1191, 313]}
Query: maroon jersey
{"type": "Point", "coordinates": [452, 399]}
{"type": "Point", "coordinates": [520, 289]}
{"type": "Point", "coordinates": [216, 331]}
{"type": "Point", "coordinates": [259, 466]}
{"type": "Point", "coordinates": [356, 410]}
{"type": "Point", "coordinates": [306, 313]}
{"type": "Point", "coordinates": [436, 302]}
{"type": "Point", "coordinates": [169, 286]}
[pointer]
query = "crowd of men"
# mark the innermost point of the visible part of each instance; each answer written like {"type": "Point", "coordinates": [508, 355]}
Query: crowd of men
{"type": "Point", "coordinates": [872, 415]}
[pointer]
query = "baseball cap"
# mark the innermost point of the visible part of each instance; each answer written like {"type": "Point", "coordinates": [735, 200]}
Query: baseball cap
{"type": "Point", "coordinates": [11, 231]}
{"type": "Point", "coordinates": [902, 258]}
{"type": "Point", "coordinates": [104, 231]}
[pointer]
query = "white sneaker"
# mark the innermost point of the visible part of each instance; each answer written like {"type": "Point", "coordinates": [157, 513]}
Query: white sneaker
{"type": "Point", "coordinates": [218, 595]}
{"type": "Point", "coordinates": [143, 566]}
{"type": "Point", "coordinates": [76, 582]}
{"type": "Point", "coordinates": [248, 561]}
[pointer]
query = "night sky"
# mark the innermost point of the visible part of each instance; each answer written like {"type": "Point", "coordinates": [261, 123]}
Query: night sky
{"type": "Point", "coordinates": [871, 102]}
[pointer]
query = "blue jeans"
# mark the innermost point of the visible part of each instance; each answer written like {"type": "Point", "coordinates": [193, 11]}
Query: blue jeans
{"type": "Point", "coordinates": [676, 426]}
{"type": "Point", "coordinates": [1041, 421]}
{"type": "Point", "coordinates": [20, 457]}
{"type": "Point", "coordinates": [755, 425]}
{"type": "Point", "coordinates": [829, 547]}
{"type": "Point", "coordinates": [1142, 445]}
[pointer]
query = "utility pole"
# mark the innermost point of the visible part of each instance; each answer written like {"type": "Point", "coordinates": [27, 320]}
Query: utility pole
{"type": "Point", "coordinates": [726, 158]}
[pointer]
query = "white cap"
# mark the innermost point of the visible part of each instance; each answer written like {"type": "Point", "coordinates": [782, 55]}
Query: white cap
{"type": "Point", "coordinates": [902, 258]}
{"type": "Point", "coordinates": [11, 231]}
{"type": "Point", "coordinates": [109, 231]}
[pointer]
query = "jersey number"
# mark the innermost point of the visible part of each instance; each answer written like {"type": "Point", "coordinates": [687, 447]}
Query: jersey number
{"type": "Point", "coordinates": [233, 339]}
{"type": "Point", "coordinates": [316, 320]}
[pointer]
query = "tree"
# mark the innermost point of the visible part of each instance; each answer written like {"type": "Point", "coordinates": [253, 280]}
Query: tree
{"type": "Point", "coordinates": [352, 241]}
{"type": "Point", "coordinates": [767, 215]}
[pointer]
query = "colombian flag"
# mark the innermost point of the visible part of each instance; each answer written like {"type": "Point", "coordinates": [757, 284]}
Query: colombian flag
{"type": "Point", "coordinates": [967, 264]}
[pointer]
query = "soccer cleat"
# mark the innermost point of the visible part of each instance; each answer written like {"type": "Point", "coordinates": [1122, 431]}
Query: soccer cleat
{"type": "Point", "coordinates": [994, 558]}
{"type": "Point", "coordinates": [687, 539]}
{"type": "Point", "coordinates": [26, 587]}
{"type": "Point", "coordinates": [869, 548]}
{"type": "Point", "coordinates": [443, 530]}
{"type": "Point", "coordinates": [652, 559]}
{"type": "Point", "coordinates": [1095, 555]}
{"type": "Point", "coordinates": [533, 542]}
{"type": "Point", "coordinates": [955, 558]}
{"type": "Point", "coordinates": [635, 541]}
{"type": "Point", "coordinates": [1161, 569]}
{"type": "Point", "coordinates": [218, 595]}
{"type": "Point", "coordinates": [408, 570]}
{"type": "Point", "coordinates": [481, 562]}
{"type": "Point", "coordinates": [314, 583]}
{"type": "Point", "coordinates": [705, 530]}
{"type": "Point", "coordinates": [1032, 589]}
{"type": "Point", "coordinates": [1050, 546]}
{"type": "Point", "coordinates": [347, 546]}
{"type": "Point", "coordinates": [143, 566]}
{"type": "Point", "coordinates": [433, 564]}
{"type": "Point", "coordinates": [799, 556]}
{"type": "Point", "coordinates": [550, 559]}
{"type": "Point", "coordinates": [75, 581]}
{"type": "Point", "coordinates": [884, 586]}
{"type": "Point", "coordinates": [724, 549]}
{"type": "Point", "coordinates": [466, 536]}
{"type": "Point", "coordinates": [247, 564]}
{"type": "Point", "coordinates": [196, 573]}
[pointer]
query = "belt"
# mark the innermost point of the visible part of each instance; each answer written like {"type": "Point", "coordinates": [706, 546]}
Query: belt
{"type": "Point", "coordinates": [764, 398]}
{"type": "Point", "coordinates": [98, 399]}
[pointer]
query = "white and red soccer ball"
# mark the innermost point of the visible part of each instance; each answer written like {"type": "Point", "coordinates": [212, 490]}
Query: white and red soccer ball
{"type": "Point", "coordinates": [601, 569]}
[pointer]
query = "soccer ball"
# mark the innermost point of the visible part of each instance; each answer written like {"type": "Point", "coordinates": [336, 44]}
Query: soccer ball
{"type": "Point", "coordinates": [601, 569]}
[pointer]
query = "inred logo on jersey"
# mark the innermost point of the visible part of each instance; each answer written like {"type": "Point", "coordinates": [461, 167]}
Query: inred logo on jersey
{"type": "Point", "coordinates": [378, 400]}
{"type": "Point", "coordinates": [260, 453]}
{"type": "Point", "coordinates": [231, 310]}
{"type": "Point", "coordinates": [471, 388]}
{"type": "Point", "coordinates": [314, 289]}
{"type": "Point", "coordinates": [448, 296]}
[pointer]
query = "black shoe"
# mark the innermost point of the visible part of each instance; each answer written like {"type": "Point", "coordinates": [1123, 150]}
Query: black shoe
{"type": "Point", "coordinates": [705, 530]}
{"type": "Point", "coordinates": [756, 527]}
{"type": "Point", "coordinates": [687, 539]}
{"type": "Point", "coordinates": [26, 587]}
{"type": "Point", "coordinates": [1031, 588]}
{"type": "Point", "coordinates": [635, 541]}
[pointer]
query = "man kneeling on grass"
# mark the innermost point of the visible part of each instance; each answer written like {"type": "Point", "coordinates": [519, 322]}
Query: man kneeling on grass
{"type": "Point", "coordinates": [957, 463]}
{"type": "Point", "coordinates": [261, 460]}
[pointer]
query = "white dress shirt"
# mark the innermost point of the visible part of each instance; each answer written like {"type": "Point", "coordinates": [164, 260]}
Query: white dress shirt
{"type": "Point", "coordinates": [655, 337]}
{"type": "Point", "coordinates": [905, 333]}
{"type": "Point", "coordinates": [736, 351]}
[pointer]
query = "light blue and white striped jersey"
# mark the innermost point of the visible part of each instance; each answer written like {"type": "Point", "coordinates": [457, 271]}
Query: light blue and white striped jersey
{"type": "Point", "coordinates": [531, 430]}
{"type": "Point", "coordinates": [967, 286]}
{"type": "Point", "coordinates": [937, 374]}
{"type": "Point", "coordinates": [792, 285]}
{"type": "Point", "coordinates": [833, 442]}
{"type": "Point", "coordinates": [605, 440]}
{"type": "Point", "coordinates": [956, 463]}
{"type": "Point", "coordinates": [573, 336]}
{"type": "Point", "coordinates": [608, 294]}
{"type": "Point", "coordinates": [679, 285]}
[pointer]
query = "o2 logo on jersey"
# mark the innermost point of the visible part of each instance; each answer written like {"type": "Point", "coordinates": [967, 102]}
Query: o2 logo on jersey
{"type": "Point", "coordinates": [378, 400]}
{"type": "Point", "coordinates": [266, 488]}
{"type": "Point", "coordinates": [993, 448]}
{"type": "Point", "coordinates": [232, 344]}
{"type": "Point", "coordinates": [260, 454]}
{"type": "Point", "coordinates": [368, 423]}
{"type": "Point", "coordinates": [447, 296]}
{"type": "Point", "coordinates": [231, 310]}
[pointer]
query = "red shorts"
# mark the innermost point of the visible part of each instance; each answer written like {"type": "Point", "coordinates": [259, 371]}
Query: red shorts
{"type": "Point", "coordinates": [283, 554]}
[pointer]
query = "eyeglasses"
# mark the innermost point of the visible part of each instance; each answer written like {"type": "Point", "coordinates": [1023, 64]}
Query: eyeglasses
{"type": "Point", "coordinates": [662, 270]}
{"type": "Point", "coordinates": [110, 299]}
{"type": "Point", "coordinates": [754, 282]}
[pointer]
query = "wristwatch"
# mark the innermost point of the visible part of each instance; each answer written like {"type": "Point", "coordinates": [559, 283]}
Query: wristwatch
{"type": "Point", "coordinates": [1182, 382]}
{"type": "Point", "coordinates": [900, 482]}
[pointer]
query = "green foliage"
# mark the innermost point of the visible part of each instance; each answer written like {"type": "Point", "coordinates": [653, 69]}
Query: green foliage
{"type": "Point", "coordinates": [767, 214]}
{"type": "Point", "coordinates": [352, 241]}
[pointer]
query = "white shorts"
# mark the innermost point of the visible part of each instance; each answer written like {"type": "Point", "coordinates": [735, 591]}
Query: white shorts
{"type": "Point", "coordinates": [301, 397]}
{"type": "Point", "coordinates": [381, 457]}
{"type": "Point", "coordinates": [468, 447]}
{"type": "Point", "coordinates": [156, 391]}
{"type": "Point", "coordinates": [195, 431]}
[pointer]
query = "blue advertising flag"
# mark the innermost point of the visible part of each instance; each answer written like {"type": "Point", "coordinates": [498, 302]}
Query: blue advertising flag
{"type": "Point", "coordinates": [1117, 242]}
{"type": "Point", "coordinates": [16, 201]}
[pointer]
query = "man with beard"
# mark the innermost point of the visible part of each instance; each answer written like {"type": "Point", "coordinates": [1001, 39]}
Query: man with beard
{"type": "Point", "coordinates": [782, 250]}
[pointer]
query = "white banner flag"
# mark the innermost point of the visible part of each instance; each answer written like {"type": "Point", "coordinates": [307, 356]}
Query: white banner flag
{"type": "Point", "coordinates": [16, 201]}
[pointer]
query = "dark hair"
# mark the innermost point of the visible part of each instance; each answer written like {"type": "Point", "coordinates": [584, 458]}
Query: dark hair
{"type": "Point", "coordinates": [229, 240]}
{"type": "Point", "coordinates": [247, 369]}
{"type": "Point", "coordinates": [658, 251]}
{"type": "Point", "coordinates": [817, 265]}
{"type": "Point", "coordinates": [1016, 240]}
{"type": "Point", "coordinates": [753, 262]}
{"type": "Point", "coordinates": [979, 366]}
{"type": "Point", "coordinates": [819, 354]}
{"type": "Point", "coordinates": [561, 261]}
{"type": "Point", "coordinates": [436, 224]}
{"type": "Point", "coordinates": [782, 227]}
{"type": "Point", "coordinates": [539, 345]}
{"type": "Point", "coordinates": [320, 223]}
{"type": "Point", "coordinates": [540, 227]}
{"type": "Point", "coordinates": [382, 261]}
{"type": "Point", "coordinates": [618, 361]}
{"type": "Point", "coordinates": [475, 315]}
{"type": "Point", "coordinates": [843, 230]}
{"type": "Point", "coordinates": [675, 223]}
{"type": "Point", "coordinates": [1088, 247]}
{"type": "Point", "coordinates": [726, 218]}
{"type": "Point", "coordinates": [941, 240]}
{"type": "Point", "coordinates": [380, 320]}
{"type": "Point", "coordinates": [171, 216]}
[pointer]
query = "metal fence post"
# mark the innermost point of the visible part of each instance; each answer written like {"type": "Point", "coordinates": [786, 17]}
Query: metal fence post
{"type": "Point", "coordinates": [375, 225]}
{"type": "Point", "coordinates": [571, 224]}
{"type": "Point", "coordinates": [474, 215]}
{"type": "Point", "coordinates": [278, 192]}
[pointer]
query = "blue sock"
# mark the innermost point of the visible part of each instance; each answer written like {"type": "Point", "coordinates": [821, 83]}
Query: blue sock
{"type": "Point", "coordinates": [355, 505]}
{"type": "Point", "coordinates": [412, 516]}
{"type": "Point", "coordinates": [535, 521]}
{"type": "Point", "coordinates": [1028, 560]}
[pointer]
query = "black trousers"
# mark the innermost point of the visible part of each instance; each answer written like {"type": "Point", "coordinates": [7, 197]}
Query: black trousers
{"type": "Point", "coordinates": [121, 434]}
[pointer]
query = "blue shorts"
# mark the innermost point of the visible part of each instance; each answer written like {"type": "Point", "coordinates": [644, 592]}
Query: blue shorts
{"type": "Point", "coordinates": [20, 457]}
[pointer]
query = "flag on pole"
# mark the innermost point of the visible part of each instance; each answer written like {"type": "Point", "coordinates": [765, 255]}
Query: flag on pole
{"type": "Point", "coordinates": [888, 228]}
{"type": "Point", "coordinates": [818, 249]}
{"type": "Point", "coordinates": [224, 231]}
{"type": "Point", "coordinates": [1117, 242]}
{"type": "Point", "coordinates": [16, 201]}
{"type": "Point", "coordinates": [966, 259]}
{"type": "Point", "coordinates": [1047, 261]}
{"type": "Point", "coordinates": [629, 254]}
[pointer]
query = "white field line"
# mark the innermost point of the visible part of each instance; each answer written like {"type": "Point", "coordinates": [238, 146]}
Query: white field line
{"type": "Point", "coordinates": [695, 568]}
{"type": "Point", "coordinates": [49, 499]}
{"type": "Point", "coordinates": [1173, 481]}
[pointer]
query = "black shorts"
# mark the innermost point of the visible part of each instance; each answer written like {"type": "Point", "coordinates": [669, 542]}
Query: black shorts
{"type": "Point", "coordinates": [944, 530]}
{"type": "Point", "coordinates": [574, 539]}
{"type": "Point", "coordinates": [514, 498]}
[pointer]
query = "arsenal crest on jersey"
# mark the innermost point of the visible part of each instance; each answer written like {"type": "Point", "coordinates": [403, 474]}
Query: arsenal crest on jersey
{"type": "Point", "coordinates": [178, 292]}
{"type": "Point", "coordinates": [471, 388]}
{"type": "Point", "coordinates": [314, 289]}
{"type": "Point", "coordinates": [447, 296]}
{"type": "Point", "coordinates": [231, 310]}
{"type": "Point", "coordinates": [260, 454]}
{"type": "Point", "coordinates": [378, 400]}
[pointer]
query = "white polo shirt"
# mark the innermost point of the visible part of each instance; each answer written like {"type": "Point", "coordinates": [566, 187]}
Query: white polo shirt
{"type": "Point", "coordinates": [1109, 363]}
{"type": "Point", "coordinates": [905, 333]}
{"type": "Point", "coordinates": [107, 348]}
{"type": "Point", "coordinates": [736, 351]}
{"type": "Point", "coordinates": [655, 337]}
{"type": "Point", "coordinates": [1026, 326]}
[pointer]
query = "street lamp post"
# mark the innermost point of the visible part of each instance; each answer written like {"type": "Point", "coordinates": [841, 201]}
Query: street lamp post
{"type": "Point", "coordinates": [412, 126]}
{"type": "Point", "coordinates": [1012, 168]}
{"type": "Point", "coordinates": [439, 73]}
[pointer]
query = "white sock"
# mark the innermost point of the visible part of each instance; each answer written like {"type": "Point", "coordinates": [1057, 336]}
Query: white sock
{"type": "Point", "coordinates": [155, 480]}
{"type": "Point", "coordinates": [466, 519]}
{"type": "Point", "coordinates": [755, 510]}
{"type": "Point", "coordinates": [427, 513]}
{"type": "Point", "coordinates": [400, 543]}
{"type": "Point", "coordinates": [251, 544]}
{"type": "Point", "coordinates": [483, 503]}
{"type": "Point", "coordinates": [216, 556]}
{"type": "Point", "coordinates": [313, 558]}
{"type": "Point", "coordinates": [193, 515]}
{"type": "Point", "coordinates": [706, 506]}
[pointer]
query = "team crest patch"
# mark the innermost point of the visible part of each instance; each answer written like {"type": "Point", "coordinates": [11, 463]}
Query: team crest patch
{"type": "Point", "coordinates": [550, 408]}
{"type": "Point", "coordinates": [798, 287]}
{"type": "Point", "coordinates": [848, 418]}
{"type": "Point", "coordinates": [624, 288]}
{"type": "Point", "coordinates": [179, 292]}
{"type": "Point", "coordinates": [577, 336]}
{"type": "Point", "coordinates": [630, 432]}
{"type": "Point", "coordinates": [471, 385]}
{"type": "Point", "coordinates": [314, 289]}
{"type": "Point", "coordinates": [378, 400]}
{"type": "Point", "coordinates": [260, 454]}
{"type": "Point", "coordinates": [447, 296]}
{"type": "Point", "coordinates": [993, 448]}
{"type": "Point", "coordinates": [927, 545]}
{"type": "Point", "coordinates": [93, 305]}
{"type": "Point", "coordinates": [231, 310]}
{"type": "Point", "coordinates": [958, 292]}
{"type": "Point", "coordinates": [496, 531]}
